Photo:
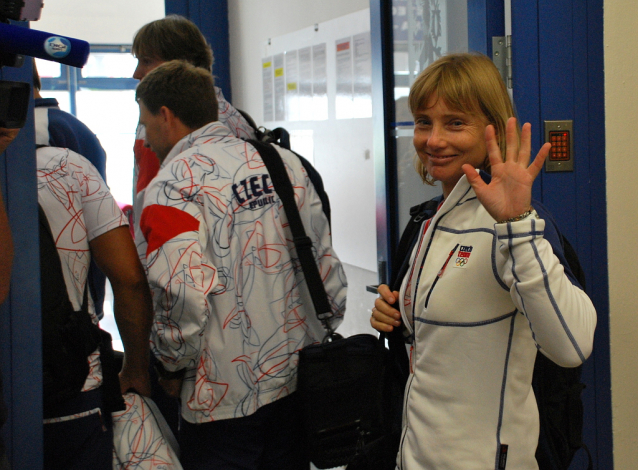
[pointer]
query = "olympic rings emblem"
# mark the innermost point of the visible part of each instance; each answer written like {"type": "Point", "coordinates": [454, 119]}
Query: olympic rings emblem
{"type": "Point", "coordinates": [461, 262]}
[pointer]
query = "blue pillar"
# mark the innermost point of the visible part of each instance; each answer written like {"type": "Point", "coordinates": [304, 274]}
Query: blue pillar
{"type": "Point", "coordinates": [20, 330]}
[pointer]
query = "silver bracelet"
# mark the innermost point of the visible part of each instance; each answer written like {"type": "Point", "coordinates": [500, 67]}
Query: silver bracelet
{"type": "Point", "coordinates": [524, 215]}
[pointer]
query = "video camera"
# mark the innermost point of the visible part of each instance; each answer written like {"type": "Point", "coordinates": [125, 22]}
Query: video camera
{"type": "Point", "coordinates": [16, 42]}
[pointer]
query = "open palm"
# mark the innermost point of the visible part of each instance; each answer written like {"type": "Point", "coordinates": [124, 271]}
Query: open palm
{"type": "Point", "coordinates": [509, 194]}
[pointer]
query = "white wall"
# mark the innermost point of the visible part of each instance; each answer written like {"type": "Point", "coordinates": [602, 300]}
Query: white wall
{"type": "Point", "coordinates": [621, 111]}
{"type": "Point", "coordinates": [98, 22]}
{"type": "Point", "coordinates": [252, 22]}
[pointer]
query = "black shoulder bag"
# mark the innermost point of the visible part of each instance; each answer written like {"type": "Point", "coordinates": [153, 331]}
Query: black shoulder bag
{"type": "Point", "coordinates": [340, 381]}
{"type": "Point", "coordinates": [69, 336]}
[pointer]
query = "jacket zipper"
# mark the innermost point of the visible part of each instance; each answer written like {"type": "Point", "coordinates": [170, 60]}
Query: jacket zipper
{"type": "Point", "coordinates": [438, 276]}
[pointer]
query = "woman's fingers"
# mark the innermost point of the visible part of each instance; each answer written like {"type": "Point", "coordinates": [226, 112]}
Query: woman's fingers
{"type": "Point", "coordinates": [516, 152]}
{"type": "Point", "coordinates": [384, 317]}
{"type": "Point", "coordinates": [379, 325]}
{"type": "Point", "coordinates": [386, 294]}
{"type": "Point", "coordinates": [525, 151]}
{"type": "Point", "coordinates": [537, 165]}
{"type": "Point", "coordinates": [493, 150]}
{"type": "Point", "coordinates": [511, 140]}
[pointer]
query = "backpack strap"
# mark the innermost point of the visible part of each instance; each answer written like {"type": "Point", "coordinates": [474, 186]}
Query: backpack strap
{"type": "Point", "coordinates": [54, 293]}
{"type": "Point", "coordinates": [400, 265]}
{"type": "Point", "coordinates": [572, 260]}
{"type": "Point", "coordinates": [279, 136]}
{"type": "Point", "coordinates": [409, 237]}
{"type": "Point", "coordinates": [54, 290]}
{"type": "Point", "coordinates": [303, 244]}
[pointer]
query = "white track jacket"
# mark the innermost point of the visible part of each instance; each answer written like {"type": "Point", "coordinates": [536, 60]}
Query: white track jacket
{"type": "Point", "coordinates": [479, 299]}
{"type": "Point", "coordinates": [231, 303]}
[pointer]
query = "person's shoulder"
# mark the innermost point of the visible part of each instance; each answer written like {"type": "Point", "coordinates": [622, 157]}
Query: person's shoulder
{"type": "Point", "coordinates": [46, 156]}
{"type": "Point", "coordinates": [45, 103]}
{"type": "Point", "coordinates": [49, 156]}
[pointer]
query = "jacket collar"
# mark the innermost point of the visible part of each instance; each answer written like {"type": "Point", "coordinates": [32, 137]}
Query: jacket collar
{"type": "Point", "coordinates": [211, 132]}
{"type": "Point", "coordinates": [463, 190]}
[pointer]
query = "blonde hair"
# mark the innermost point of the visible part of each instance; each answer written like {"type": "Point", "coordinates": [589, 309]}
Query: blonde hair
{"type": "Point", "coordinates": [469, 83]}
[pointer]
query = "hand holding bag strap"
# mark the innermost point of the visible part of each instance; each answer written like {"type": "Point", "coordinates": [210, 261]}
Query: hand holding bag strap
{"type": "Point", "coordinates": [283, 188]}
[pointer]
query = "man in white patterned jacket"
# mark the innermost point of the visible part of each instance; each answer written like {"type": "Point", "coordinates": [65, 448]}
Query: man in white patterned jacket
{"type": "Point", "coordinates": [172, 38]}
{"type": "Point", "coordinates": [232, 309]}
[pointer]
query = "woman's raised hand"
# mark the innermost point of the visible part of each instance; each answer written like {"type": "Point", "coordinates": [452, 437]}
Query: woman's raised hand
{"type": "Point", "coordinates": [509, 194]}
{"type": "Point", "coordinates": [385, 317]}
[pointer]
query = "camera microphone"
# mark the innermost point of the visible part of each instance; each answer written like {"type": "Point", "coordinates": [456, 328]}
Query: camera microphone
{"type": "Point", "coordinates": [30, 42]}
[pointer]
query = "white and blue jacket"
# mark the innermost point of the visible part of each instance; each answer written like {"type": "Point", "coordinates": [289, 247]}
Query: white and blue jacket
{"type": "Point", "coordinates": [480, 299]}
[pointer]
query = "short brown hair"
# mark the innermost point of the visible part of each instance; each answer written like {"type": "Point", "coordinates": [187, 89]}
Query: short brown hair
{"type": "Point", "coordinates": [173, 38]}
{"type": "Point", "coordinates": [469, 83]}
{"type": "Point", "coordinates": [188, 91]}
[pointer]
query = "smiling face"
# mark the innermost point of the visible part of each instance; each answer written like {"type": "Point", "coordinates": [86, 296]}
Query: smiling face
{"type": "Point", "coordinates": [446, 139]}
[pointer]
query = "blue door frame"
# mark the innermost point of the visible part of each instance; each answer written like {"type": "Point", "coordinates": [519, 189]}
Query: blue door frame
{"type": "Point", "coordinates": [20, 333]}
{"type": "Point", "coordinates": [558, 74]}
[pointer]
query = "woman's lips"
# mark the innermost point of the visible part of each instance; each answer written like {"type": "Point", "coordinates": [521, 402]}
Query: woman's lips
{"type": "Point", "coordinates": [440, 158]}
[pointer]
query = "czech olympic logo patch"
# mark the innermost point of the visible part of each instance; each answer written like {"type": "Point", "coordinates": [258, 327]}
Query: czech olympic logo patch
{"type": "Point", "coordinates": [463, 257]}
{"type": "Point", "coordinates": [57, 47]}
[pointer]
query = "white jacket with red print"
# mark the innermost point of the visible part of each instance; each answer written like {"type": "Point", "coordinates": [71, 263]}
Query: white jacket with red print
{"type": "Point", "coordinates": [231, 303]}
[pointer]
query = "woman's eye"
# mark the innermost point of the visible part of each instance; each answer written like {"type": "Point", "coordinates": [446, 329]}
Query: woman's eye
{"type": "Point", "coordinates": [456, 123]}
{"type": "Point", "coordinates": [422, 122]}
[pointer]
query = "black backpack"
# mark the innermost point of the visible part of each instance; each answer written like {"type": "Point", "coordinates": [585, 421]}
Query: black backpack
{"type": "Point", "coordinates": [281, 137]}
{"type": "Point", "coordinates": [558, 389]}
{"type": "Point", "coordinates": [558, 395]}
{"type": "Point", "coordinates": [69, 336]}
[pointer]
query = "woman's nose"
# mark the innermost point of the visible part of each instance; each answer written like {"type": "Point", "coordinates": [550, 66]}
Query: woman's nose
{"type": "Point", "coordinates": [436, 139]}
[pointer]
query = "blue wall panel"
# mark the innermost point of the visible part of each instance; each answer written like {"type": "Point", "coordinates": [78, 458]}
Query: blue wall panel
{"type": "Point", "coordinates": [485, 19]}
{"type": "Point", "coordinates": [526, 75]}
{"type": "Point", "coordinates": [558, 74]}
{"type": "Point", "coordinates": [211, 17]}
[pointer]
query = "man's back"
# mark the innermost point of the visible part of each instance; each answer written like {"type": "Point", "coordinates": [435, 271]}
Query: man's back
{"type": "Point", "coordinates": [229, 294]}
{"type": "Point", "coordinates": [57, 128]}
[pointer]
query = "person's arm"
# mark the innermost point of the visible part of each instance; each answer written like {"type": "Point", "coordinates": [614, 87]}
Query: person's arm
{"type": "Point", "coordinates": [561, 315]}
{"type": "Point", "coordinates": [177, 275]}
{"type": "Point", "coordinates": [115, 254]}
{"type": "Point", "coordinates": [6, 242]}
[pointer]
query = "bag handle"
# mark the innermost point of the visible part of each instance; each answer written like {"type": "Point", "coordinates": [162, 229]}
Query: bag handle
{"type": "Point", "coordinates": [303, 244]}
